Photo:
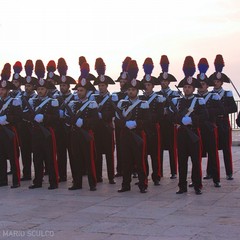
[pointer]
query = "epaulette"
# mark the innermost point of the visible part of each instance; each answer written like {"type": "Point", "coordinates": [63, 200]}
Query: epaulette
{"type": "Point", "coordinates": [56, 95]}
{"type": "Point", "coordinates": [31, 101]}
{"type": "Point", "coordinates": [175, 100]}
{"type": "Point", "coordinates": [229, 94]}
{"type": "Point", "coordinates": [175, 94]}
{"type": "Point", "coordinates": [123, 103]}
{"type": "Point", "coordinates": [161, 99]}
{"type": "Point", "coordinates": [93, 97]}
{"type": "Point", "coordinates": [114, 97]}
{"type": "Point", "coordinates": [215, 96]}
{"type": "Point", "coordinates": [54, 103]}
{"type": "Point", "coordinates": [16, 102]}
{"type": "Point", "coordinates": [201, 101]}
{"type": "Point", "coordinates": [144, 105]}
{"type": "Point", "coordinates": [93, 104]}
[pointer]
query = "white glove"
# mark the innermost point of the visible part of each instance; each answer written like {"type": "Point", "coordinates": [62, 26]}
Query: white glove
{"type": "Point", "coordinates": [131, 124]}
{"type": "Point", "coordinates": [100, 115]}
{"type": "Point", "coordinates": [61, 113]}
{"type": "Point", "coordinates": [187, 120]}
{"type": "Point", "coordinates": [39, 118]}
{"type": "Point", "coordinates": [3, 120]}
{"type": "Point", "coordinates": [79, 122]}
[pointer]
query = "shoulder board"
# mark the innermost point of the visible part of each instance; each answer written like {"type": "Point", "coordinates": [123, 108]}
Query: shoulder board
{"type": "Point", "coordinates": [144, 105]}
{"type": "Point", "coordinates": [215, 96]}
{"type": "Point", "coordinates": [114, 97]}
{"type": "Point", "coordinates": [31, 101]}
{"type": "Point", "coordinates": [122, 103]}
{"type": "Point", "coordinates": [229, 94]}
{"type": "Point", "coordinates": [71, 103]}
{"type": "Point", "coordinates": [201, 101]}
{"type": "Point", "coordinates": [54, 103]}
{"type": "Point", "coordinates": [175, 93]}
{"type": "Point", "coordinates": [92, 105]}
{"type": "Point", "coordinates": [175, 100]}
{"type": "Point", "coordinates": [16, 102]}
{"type": "Point", "coordinates": [56, 95]}
{"type": "Point", "coordinates": [161, 98]}
{"type": "Point", "coordinates": [93, 97]}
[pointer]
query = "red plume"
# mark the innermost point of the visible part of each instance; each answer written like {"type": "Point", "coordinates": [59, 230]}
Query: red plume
{"type": "Point", "coordinates": [85, 70]}
{"type": "Point", "coordinates": [6, 72]}
{"type": "Point", "coordinates": [164, 62]}
{"type": "Point", "coordinates": [62, 67]}
{"type": "Point", "coordinates": [219, 63]}
{"type": "Point", "coordinates": [189, 66]}
{"type": "Point", "coordinates": [125, 63]}
{"type": "Point", "coordinates": [51, 66]}
{"type": "Point", "coordinates": [29, 67]}
{"type": "Point", "coordinates": [100, 66]}
{"type": "Point", "coordinates": [81, 60]}
{"type": "Point", "coordinates": [17, 67]}
{"type": "Point", "coordinates": [39, 69]}
{"type": "Point", "coordinates": [132, 69]}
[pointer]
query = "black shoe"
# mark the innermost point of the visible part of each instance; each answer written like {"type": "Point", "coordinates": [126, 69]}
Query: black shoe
{"type": "Point", "coordinates": [191, 184]}
{"type": "Point", "coordinates": [25, 178]}
{"type": "Point", "coordinates": [112, 181]}
{"type": "Point", "coordinates": [74, 187]}
{"type": "Point", "coordinates": [34, 186]}
{"type": "Point", "coordinates": [3, 184]}
{"type": "Point", "coordinates": [208, 177]}
{"type": "Point", "coordinates": [156, 183]}
{"type": "Point", "coordinates": [51, 187]}
{"type": "Point", "coordinates": [135, 175]}
{"type": "Point", "coordinates": [217, 184]}
{"type": "Point", "coordinates": [124, 189]}
{"type": "Point", "coordinates": [93, 188]}
{"type": "Point", "coordinates": [62, 179]}
{"type": "Point", "coordinates": [173, 176]}
{"type": "Point", "coordinates": [99, 180]}
{"type": "Point", "coordinates": [229, 177]}
{"type": "Point", "coordinates": [198, 191]}
{"type": "Point", "coordinates": [181, 191]}
{"type": "Point", "coordinates": [9, 172]}
{"type": "Point", "coordinates": [15, 186]}
{"type": "Point", "coordinates": [118, 175]}
{"type": "Point", "coordinates": [143, 190]}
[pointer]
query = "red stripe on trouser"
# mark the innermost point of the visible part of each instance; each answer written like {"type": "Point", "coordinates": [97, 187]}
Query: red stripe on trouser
{"type": "Point", "coordinates": [144, 155]}
{"type": "Point", "coordinates": [175, 132]}
{"type": "Point", "coordinates": [16, 154]}
{"type": "Point", "coordinates": [200, 153]}
{"type": "Point", "coordinates": [230, 145]}
{"type": "Point", "coordinates": [92, 146]}
{"type": "Point", "coordinates": [216, 151]}
{"type": "Point", "coordinates": [54, 150]}
{"type": "Point", "coordinates": [158, 150]}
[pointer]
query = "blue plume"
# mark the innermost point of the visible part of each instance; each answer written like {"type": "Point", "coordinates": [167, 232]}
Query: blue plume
{"type": "Point", "coordinates": [202, 68]}
{"type": "Point", "coordinates": [189, 71]}
{"type": "Point", "coordinates": [219, 67]}
{"type": "Point", "coordinates": [148, 68]}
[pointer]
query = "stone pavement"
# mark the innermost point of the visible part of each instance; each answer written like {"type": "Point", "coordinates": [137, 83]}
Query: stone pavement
{"type": "Point", "coordinates": [109, 215]}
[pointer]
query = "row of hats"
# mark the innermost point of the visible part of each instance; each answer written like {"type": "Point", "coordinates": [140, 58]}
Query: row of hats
{"type": "Point", "coordinates": [129, 73]}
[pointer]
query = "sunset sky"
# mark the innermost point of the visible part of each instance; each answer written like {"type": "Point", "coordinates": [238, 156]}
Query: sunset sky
{"type": "Point", "coordinates": [113, 29]}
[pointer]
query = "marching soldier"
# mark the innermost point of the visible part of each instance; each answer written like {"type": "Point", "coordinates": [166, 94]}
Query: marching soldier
{"type": "Point", "coordinates": [223, 124]}
{"type": "Point", "coordinates": [156, 105]}
{"type": "Point", "coordinates": [17, 80]}
{"type": "Point", "coordinates": [208, 128]}
{"type": "Point", "coordinates": [43, 114]}
{"type": "Point", "coordinates": [116, 97]}
{"type": "Point", "coordinates": [10, 114]}
{"type": "Point", "coordinates": [167, 129]}
{"type": "Point", "coordinates": [189, 111]}
{"type": "Point", "coordinates": [82, 116]}
{"type": "Point", "coordinates": [104, 134]}
{"type": "Point", "coordinates": [64, 96]}
{"type": "Point", "coordinates": [133, 115]}
{"type": "Point", "coordinates": [24, 128]}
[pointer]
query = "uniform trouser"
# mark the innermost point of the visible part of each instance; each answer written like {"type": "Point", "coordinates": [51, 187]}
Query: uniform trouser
{"type": "Point", "coordinates": [105, 144]}
{"type": "Point", "coordinates": [168, 142]}
{"type": "Point", "coordinates": [187, 148]}
{"type": "Point", "coordinates": [9, 149]}
{"type": "Point", "coordinates": [83, 154]}
{"type": "Point", "coordinates": [153, 149]}
{"type": "Point", "coordinates": [61, 137]}
{"type": "Point", "coordinates": [44, 151]}
{"type": "Point", "coordinates": [26, 148]}
{"type": "Point", "coordinates": [225, 143]}
{"type": "Point", "coordinates": [118, 149]}
{"type": "Point", "coordinates": [134, 153]}
{"type": "Point", "coordinates": [209, 140]}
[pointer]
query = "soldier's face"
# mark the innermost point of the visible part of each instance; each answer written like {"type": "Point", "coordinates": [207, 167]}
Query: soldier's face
{"type": "Point", "coordinates": [132, 93]}
{"type": "Point", "coordinates": [203, 88]}
{"type": "Point", "coordinates": [42, 91]}
{"type": "Point", "coordinates": [165, 84]}
{"type": "Point", "coordinates": [16, 83]}
{"type": "Point", "coordinates": [122, 82]}
{"type": "Point", "coordinates": [29, 88]}
{"type": "Point", "coordinates": [148, 87]}
{"type": "Point", "coordinates": [188, 90]}
{"type": "Point", "coordinates": [64, 88]}
{"type": "Point", "coordinates": [81, 92]}
{"type": "Point", "coordinates": [102, 87]}
{"type": "Point", "coordinates": [4, 92]}
{"type": "Point", "coordinates": [217, 83]}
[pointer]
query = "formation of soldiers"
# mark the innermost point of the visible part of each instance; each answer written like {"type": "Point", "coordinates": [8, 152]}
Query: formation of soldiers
{"type": "Point", "coordinates": [47, 125]}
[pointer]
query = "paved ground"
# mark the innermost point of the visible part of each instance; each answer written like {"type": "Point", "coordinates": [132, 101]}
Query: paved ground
{"type": "Point", "coordinates": [106, 214]}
